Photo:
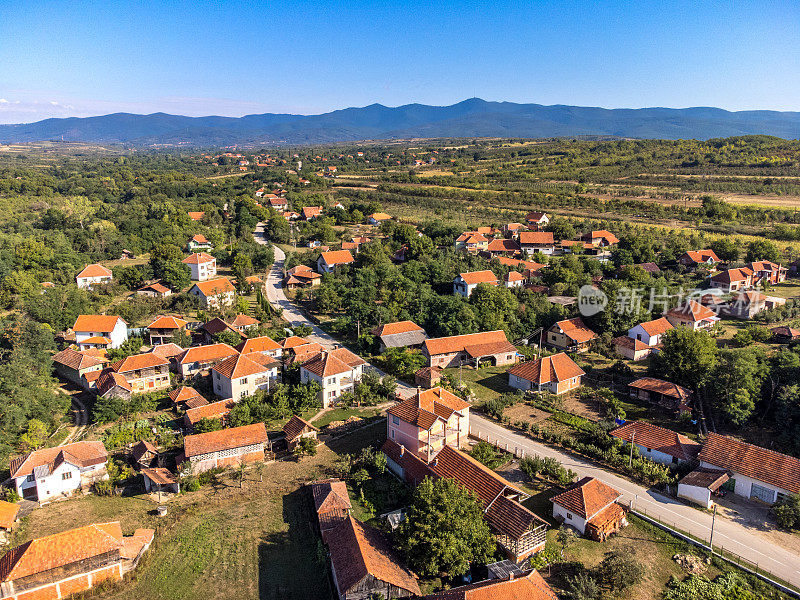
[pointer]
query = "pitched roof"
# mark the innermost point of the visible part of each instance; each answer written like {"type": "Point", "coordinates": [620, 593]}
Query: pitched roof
{"type": "Point", "coordinates": [214, 410]}
{"type": "Point", "coordinates": [665, 388]}
{"type": "Point", "coordinates": [204, 354]}
{"type": "Point", "coordinates": [587, 497]}
{"type": "Point", "coordinates": [479, 277]}
{"type": "Point", "coordinates": [198, 258]}
{"type": "Point", "coordinates": [424, 408]}
{"type": "Point", "coordinates": [333, 362]}
{"type": "Point", "coordinates": [200, 239]}
{"type": "Point", "coordinates": [292, 341]}
{"type": "Point", "coordinates": [212, 287]}
{"type": "Point", "coordinates": [526, 587]}
{"type": "Point", "coordinates": [550, 369]}
{"type": "Point", "coordinates": [512, 276]}
{"type": "Point", "coordinates": [295, 426]}
{"type": "Point", "coordinates": [358, 551]}
{"type": "Point", "coordinates": [733, 275]}
{"type": "Point", "coordinates": [61, 549]}
{"type": "Point", "coordinates": [75, 360]}
{"type": "Point", "coordinates": [576, 330]}
{"type": "Point", "coordinates": [167, 322]}
{"type": "Point", "coordinates": [656, 327]}
{"type": "Point", "coordinates": [698, 256]}
{"type": "Point", "coordinates": [312, 211]}
{"type": "Point", "coordinates": [138, 361]}
{"type": "Point", "coordinates": [330, 494]}
{"type": "Point", "coordinates": [82, 454]}
{"type": "Point", "coordinates": [337, 257]}
{"type": "Point", "coordinates": [217, 325]}
{"type": "Point", "coordinates": [461, 343]}
{"type": "Point", "coordinates": [167, 350]}
{"type": "Point", "coordinates": [604, 234]}
{"type": "Point", "coordinates": [785, 331]}
{"type": "Point", "coordinates": [157, 287]}
{"type": "Point", "coordinates": [239, 365]}
{"type": "Point", "coordinates": [536, 238]}
{"type": "Point", "coordinates": [380, 216]}
{"type": "Point", "coordinates": [396, 327]}
{"type": "Point", "coordinates": [141, 448]}
{"type": "Point", "coordinates": [159, 476]}
{"type": "Point", "coordinates": [108, 380]}
{"type": "Point", "coordinates": [658, 438]}
{"type": "Point", "coordinates": [765, 265]}
{"type": "Point", "coordinates": [472, 237]}
{"type": "Point", "coordinates": [8, 514]}
{"type": "Point", "coordinates": [259, 344]}
{"type": "Point", "coordinates": [225, 439]}
{"type": "Point", "coordinates": [758, 463]}
{"type": "Point", "coordinates": [95, 270]}
{"type": "Point", "coordinates": [693, 310]}
{"type": "Point", "coordinates": [195, 216]}
{"type": "Point", "coordinates": [712, 479]}
{"type": "Point", "coordinates": [535, 215]}
{"type": "Point", "coordinates": [101, 323]}
{"type": "Point", "coordinates": [243, 321]}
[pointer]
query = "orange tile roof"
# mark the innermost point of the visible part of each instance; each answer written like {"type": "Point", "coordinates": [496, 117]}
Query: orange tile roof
{"type": "Point", "coordinates": [259, 344]}
{"type": "Point", "coordinates": [380, 216]}
{"type": "Point", "coordinates": [61, 549]}
{"type": "Point", "coordinates": [99, 323]}
{"type": "Point", "coordinates": [214, 410]}
{"type": "Point", "coordinates": [240, 365]}
{"type": "Point", "coordinates": [425, 408]}
{"type": "Point", "coordinates": [225, 439]}
{"type": "Point", "coordinates": [292, 341]}
{"type": "Point", "coordinates": [337, 257]}
{"type": "Point", "coordinates": [96, 339]}
{"type": "Point", "coordinates": [156, 287]}
{"type": "Point", "coordinates": [472, 237]}
{"type": "Point", "coordinates": [244, 321]}
{"type": "Point", "coordinates": [539, 238]}
{"type": "Point", "coordinates": [82, 454]}
{"type": "Point", "coordinates": [8, 514]}
{"type": "Point", "coordinates": [758, 463]}
{"type": "Point", "coordinates": [95, 270]}
{"type": "Point", "coordinates": [512, 276]}
{"type": "Point", "coordinates": [550, 369]}
{"type": "Point", "coordinates": [213, 287]}
{"type": "Point", "coordinates": [183, 393]}
{"type": "Point", "coordinates": [698, 256]}
{"type": "Point", "coordinates": [479, 277]}
{"type": "Point", "coordinates": [733, 275]}
{"type": "Point", "coordinates": [75, 360]}
{"type": "Point", "coordinates": [205, 354]}
{"type": "Point", "coordinates": [295, 426]}
{"type": "Point", "coordinates": [525, 587]}
{"type": "Point", "coordinates": [159, 476]}
{"type": "Point", "coordinates": [196, 216]}
{"type": "Point", "coordinates": [587, 497]}
{"type": "Point", "coordinates": [109, 379]}
{"type": "Point", "coordinates": [656, 327]}
{"type": "Point", "coordinates": [135, 362]}
{"type": "Point", "coordinates": [395, 328]}
{"type": "Point", "coordinates": [693, 310]}
{"type": "Point", "coordinates": [460, 343]}
{"type": "Point", "coordinates": [167, 322]}
{"type": "Point", "coordinates": [334, 362]}
{"type": "Point", "coordinates": [167, 350]}
{"type": "Point", "coordinates": [658, 438]}
{"type": "Point", "coordinates": [198, 258]}
{"type": "Point", "coordinates": [200, 239]}
{"type": "Point", "coordinates": [576, 330]}
{"type": "Point", "coordinates": [312, 211]}
{"type": "Point", "coordinates": [605, 234]}
{"type": "Point", "coordinates": [503, 246]}
{"type": "Point", "coordinates": [330, 494]}
{"type": "Point", "coordinates": [358, 551]}
{"type": "Point", "coordinates": [665, 388]}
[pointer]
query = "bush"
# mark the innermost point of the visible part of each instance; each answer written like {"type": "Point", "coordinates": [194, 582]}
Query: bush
{"type": "Point", "coordinates": [486, 454]}
{"type": "Point", "coordinates": [306, 446]}
{"type": "Point", "coordinates": [12, 496]}
{"type": "Point", "coordinates": [787, 513]}
{"type": "Point", "coordinates": [190, 484]}
{"type": "Point", "coordinates": [618, 571]}
{"type": "Point", "coordinates": [103, 488]}
{"type": "Point", "coordinates": [583, 587]}
{"type": "Point", "coordinates": [531, 466]}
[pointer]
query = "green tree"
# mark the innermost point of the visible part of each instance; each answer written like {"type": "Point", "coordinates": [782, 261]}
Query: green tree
{"type": "Point", "coordinates": [206, 425]}
{"type": "Point", "coordinates": [618, 571]}
{"type": "Point", "coordinates": [35, 435]}
{"type": "Point", "coordinates": [762, 250]}
{"type": "Point", "coordinates": [687, 356]}
{"type": "Point", "coordinates": [445, 530]}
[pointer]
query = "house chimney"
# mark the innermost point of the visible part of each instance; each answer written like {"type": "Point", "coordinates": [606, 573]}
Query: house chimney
{"type": "Point", "coordinates": [402, 450]}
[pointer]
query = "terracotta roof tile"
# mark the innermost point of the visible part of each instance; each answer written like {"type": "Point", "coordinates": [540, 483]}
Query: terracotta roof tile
{"type": "Point", "coordinates": [135, 362]}
{"type": "Point", "coordinates": [503, 246]}
{"type": "Point", "coordinates": [198, 258]}
{"type": "Point", "coordinates": [259, 344]}
{"type": "Point", "coordinates": [167, 350]}
{"type": "Point", "coordinates": [225, 439]}
{"type": "Point", "coordinates": [576, 330]}
{"type": "Point", "coordinates": [337, 257]}
{"type": "Point", "coordinates": [296, 426]}
{"type": "Point", "coordinates": [665, 388]}
{"type": "Point", "coordinates": [239, 365]}
{"type": "Point", "coordinates": [83, 454]}
{"type": "Point", "coordinates": [330, 494]}
{"type": "Point", "coordinates": [95, 270]}
{"type": "Point", "coordinates": [213, 287]}
{"type": "Point", "coordinates": [206, 354]}
{"type": "Point", "coordinates": [159, 475]}
{"type": "Point", "coordinates": [550, 369]}
{"type": "Point", "coordinates": [527, 587]}
{"type": "Point", "coordinates": [587, 497]}
{"type": "Point", "coordinates": [214, 410]}
{"type": "Point", "coordinates": [97, 323]}
{"type": "Point", "coordinates": [479, 277]}
{"type": "Point", "coordinates": [8, 514]}
{"type": "Point", "coordinates": [75, 360]}
{"type": "Point", "coordinates": [657, 326]}
{"type": "Point", "coordinates": [459, 343]}
{"type": "Point", "coordinates": [658, 438]}
{"type": "Point", "coordinates": [167, 322]}
{"type": "Point", "coordinates": [396, 327]}
{"type": "Point", "coordinates": [536, 238]}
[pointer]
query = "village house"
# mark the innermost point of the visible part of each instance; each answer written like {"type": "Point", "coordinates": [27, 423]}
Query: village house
{"type": "Point", "coordinates": [243, 375]}
{"type": "Point", "coordinates": [518, 531]}
{"type": "Point", "coordinates": [170, 352]}
{"type": "Point", "coordinates": [600, 239]}
{"type": "Point", "coordinates": [197, 359]}
{"type": "Point", "coordinates": [465, 283]}
{"type": "Point", "coordinates": [643, 339]}
{"type": "Point", "coordinates": [214, 293]}
{"type": "Point", "coordinates": [529, 585]}
{"type": "Point", "coordinates": [472, 242]}
{"type": "Point", "coordinates": [72, 365]}
{"type": "Point", "coordinates": [225, 448]}
{"type": "Point", "coordinates": [199, 243]}
{"type": "Point", "coordinates": [279, 204]}
{"type": "Point", "coordinates": [244, 323]}
{"type": "Point", "coordinates": [69, 562]}
{"type": "Point", "coordinates": [378, 218]}
{"type": "Point", "coordinates": [297, 429]}
{"type": "Point", "coordinates": [746, 305]}
{"type": "Point", "coordinates": [213, 328]}
{"type": "Point", "coordinates": [143, 454]}
{"type": "Point", "coordinates": [363, 565]}
{"type": "Point", "coordinates": [590, 506]}
{"type": "Point", "coordinates": [570, 335]}
{"type": "Point", "coordinates": [158, 480]}
{"type": "Point", "coordinates": [732, 280]}
{"type": "Point", "coordinates": [503, 247]}
{"type": "Point", "coordinates": [429, 420]}
{"type": "Point", "coordinates": [196, 215]}
{"type": "Point", "coordinates": [213, 411]}
{"type": "Point", "coordinates": [164, 328]}
{"type": "Point", "coordinates": [757, 473]}
{"type": "Point", "coordinates": [666, 394]}
{"type": "Point", "coordinates": [262, 345]}
{"type": "Point", "coordinates": [301, 276]}
{"type": "Point", "coordinates": [145, 372]}
{"type": "Point", "coordinates": [100, 331]}
{"type": "Point", "coordinates": [537, 241]}
{"type": "Point", "coordinates": [556, 374]}
{"type": "Point", "coordinates": [311, 212]}
{"type": "Point", "coordinates": [93, 275]}
{"type": "Point", "coordinates": [154, 290]}
{"type": "Point", "coordinates": [329, 261]}
{"type": "Point", "coordinates": [692, 315]}
{"type": "Point", "coordinates": [765, 271]}
{"type": "Point", "coordinates": [470, 349]}
{"type": "Point", "coordinates": [400, 334]}
{"type": "Point", "coordinates": [698, 258]}
{"type": "Point", "coordinates": [336, 371]}
{"type": "Point", "coordinates": [513, 229]}
{"type": "Point", "coordinates": [8, 518]}
{"type": "Point", "coordinates": [657, 443]}
{"type": "Point", "coordinates": [701, 485]}
{"type": "Point", "coordinates": [50, 473]}
{"type": "Point", "coordinates": [202, 266]}
{"type": "Point", "coordinates": [110, 384]}
{"type": "Point", "coordinates": [514, 279]}
{"type": "Point", "coordinates": [785, 335]}
{"type": "Point", "coordinates": [184, 397]}
{"type": "Point", "coordinates": [331, 501]}
{"type": "Point", "coordinates": [537, 220]}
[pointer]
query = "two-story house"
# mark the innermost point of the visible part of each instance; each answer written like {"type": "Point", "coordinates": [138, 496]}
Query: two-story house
{"type": "Point", "coordinates": [330, 261]}
{"type": "Point", "coordinates": [470, 349]}
{"type": "Point", "coordinates": [570, 335]}
{"type": "Point", "coordinates": [199, 358]}
{"type": "Point", "coordinates": [146, 372]}
{"type": "Point", "coordinates": [199, 243]}
{"type": "Point", "coordinates": [93, 275]}
{"type": "Point", "coordinates": [429, 420]}
{"type": "Point", "coordinates": [765, 271]}
{"type": "Point", "coordinates": [214, 293]}
{"type": "Point", "coordinates": [163, 328]}
{"type": "Point", "coordinates": [465, 283]}
{"type": "Point", "coordinates": [732, 280]}
{"type": "Point", "coordinates": [556, 374]}
{"type": "Point", "coordinates": [537, 241]}
{"type": "Point", "coordinates": [537, 220]}
{"type": "Point", "coordinates": [643, 339]}
{"type": "Point", "coordinates": [202, 266]}
{"type": "Point", "coordinates": [100, 331]}
{"type": "Point", "coordinates": [263, 345]}
{"type": "Point", "coordinates": [336, 371]}
{"type": "Point", "coordinates": [692, 315]}
{"type": "Point", "coordinates": [243, 375]}
{"type": "Point", "coordinates": [472, 242]}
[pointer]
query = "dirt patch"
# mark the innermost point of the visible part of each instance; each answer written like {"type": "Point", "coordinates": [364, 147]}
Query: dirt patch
{"type": "Point", "coordinates": [584, 408]}
{"type": "Point", "coordinates": [523, 412]}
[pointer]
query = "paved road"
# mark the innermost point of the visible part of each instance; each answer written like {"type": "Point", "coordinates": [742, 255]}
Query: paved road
{"type": "Point", "coordinates": [293, 314]}
{"type": "Point", "coordinates": [734, 537]}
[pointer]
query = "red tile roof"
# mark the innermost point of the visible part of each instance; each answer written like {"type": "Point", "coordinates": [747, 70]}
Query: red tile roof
{"type": "Point", "coordinates": [81, 454]}
{"type": "Point", "coordinates": [259, 344]}
{"type": "Point", "coordinates": [196, 216]}
{"type": "Point", "coordinates": [334, 362]}
{"type": "Point", "coordinates": [538, 238]}
{"type": "Point", "coordinates": [665, 388]}
{"type": "Point", "coordinates": [206, 354]}
{"type": "Point", "coordinates": [75, 360]}
{"type": "Point", "coordinates": [167, 350]}
{"type": "Point", "coordinates": [525, 587]}
{"type": "Point", "coordinates": [136, 362]}
{"type": "Point", "coordinates": [576, 330]}
{"type": "Point", "coordinates": [198, 258]}
{"type": "Point", "coordinates": [479, 277]}
{"type": "Point", "coordinates": [214, 410]}
{"type": "Point", "coordinates": [550, 369]}
{"type": "Point", "coordinates": [200, 239]}
{"type": "Point", "coordinates": [98, 323]}
{"type": "Point", "coordinates": [656, 327]}
{"type": "Point", "coordinates": [605, 234]}
{"type": "Point", "coordinates": [159, 476]}
{"type": "Point", "coordinates": [213, 287]}
{"type": "Point", "coordinates": [8, 514]}
{"type": "Point", "coordinates": [467, 342]}
{"type": "Point", "coordinates": [396, 327]}
{"type": "Point", "coordinates": [698, 256]}
{"type": "Point", "coordinates": [733, 275]}
{"type": "Point", "coordinates": [426, 407]}
{"type": "Point", "coordinates": [330, 494]}
{"type": "Point", "coordinates": [240, 365]}
{"type": "Point", "coordinates": [758, 463]}
{"type": "Point", "coordinates": [95, 270]}
{"type": "Point", "coordinates": [692, 310]}
{"type": "Point", "coordinates": [295, 426]}
{"type": "Point", "coordinates": [243, 321]}
{"type": "Point", "coordinates": [337, 257]}
{"type": "Point", "coordinates": [658, 438]}
{"type": "Point", "coordinates": [225, 439]}
{"type": "Point", "coordinates": [167, 322]}
{"type": "Point", "coordinates": [587, 497]}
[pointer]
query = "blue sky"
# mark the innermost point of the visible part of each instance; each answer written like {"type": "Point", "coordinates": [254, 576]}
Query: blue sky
{"type": "Point", "coordinates": [79, 58]}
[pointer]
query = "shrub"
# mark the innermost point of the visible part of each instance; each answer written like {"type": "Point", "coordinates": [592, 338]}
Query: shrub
{"type": "Point", "coordinates": [190, 484]}
{"type": "Point", "coordinates": [618, 571]}
{"type": "Point", "coordinates": [787, 513]}
{"type": "Point", "coordinates": [103, 488]}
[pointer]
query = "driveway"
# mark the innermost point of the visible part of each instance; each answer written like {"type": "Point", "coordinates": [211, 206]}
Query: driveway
{"type": "Point", "coordinates": [748, 542]}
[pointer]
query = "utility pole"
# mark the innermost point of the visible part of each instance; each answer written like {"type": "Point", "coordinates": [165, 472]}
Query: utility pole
{"type": "Point", "coordinates": [630, 462]}
{"type": "Point", "coordinates": [713, 521]}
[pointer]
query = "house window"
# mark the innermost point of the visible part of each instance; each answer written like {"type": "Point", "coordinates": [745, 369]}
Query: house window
{"type": "Point", "coordinates": [244, 380]}
{"type": "Point", "coordinates": [67, 475]}
{"type": "Point", "coordinates": [674, 460]}
{"type": "Point", "coordinates": [395, 420]}
{"type": "Point", "coordinates": [648, 449]}
{"type": "Point", "coordinates": [30, 478]}
{"type": "Point", "coordinates": [569, 515]}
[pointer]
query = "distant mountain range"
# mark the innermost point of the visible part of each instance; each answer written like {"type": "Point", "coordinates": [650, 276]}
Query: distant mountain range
{"type": "Point", "coordinates": [470, 118]}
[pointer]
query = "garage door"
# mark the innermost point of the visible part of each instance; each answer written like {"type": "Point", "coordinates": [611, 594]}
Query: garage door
{"type": "Point", "coordinates": [759, 492]}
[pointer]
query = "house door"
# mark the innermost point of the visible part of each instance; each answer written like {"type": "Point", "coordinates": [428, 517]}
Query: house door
{"type": "Point", "coordinates": [29, 493]}
{"type": "Point", "coordinates": [759, 492]}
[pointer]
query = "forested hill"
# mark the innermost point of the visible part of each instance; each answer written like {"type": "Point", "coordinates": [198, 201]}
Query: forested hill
{"type": "Point", "coordinates": [470, 118]}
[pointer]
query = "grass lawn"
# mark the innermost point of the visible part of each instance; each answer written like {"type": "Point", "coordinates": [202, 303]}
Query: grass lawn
{"type": "Point", "coordinates": [788, 289]}
{"type": "Point", "coordinates": [486, 382]}
{"type": "Point", "coordinates": [342, 414]}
